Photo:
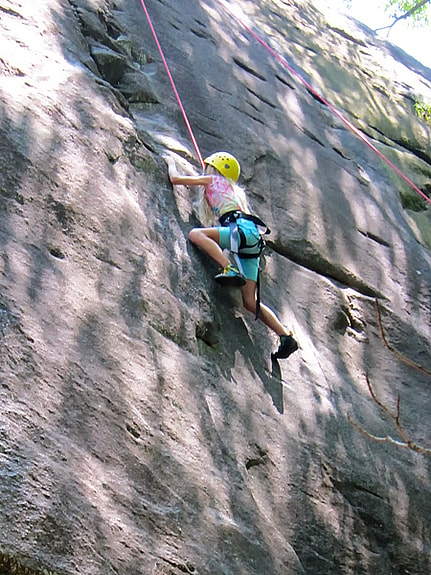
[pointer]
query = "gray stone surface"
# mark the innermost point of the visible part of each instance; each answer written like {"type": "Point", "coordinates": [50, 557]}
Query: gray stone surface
{"type": "Point", "coordinates": [143, 429]}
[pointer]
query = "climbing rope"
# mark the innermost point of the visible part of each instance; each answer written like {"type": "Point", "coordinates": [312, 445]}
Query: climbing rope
{"type": "Point", "coordinates": [312, 91]}
{"type": "Point", "coordinates": [353, 128]}
{"type": "Point", "coordinates": [173, 86]}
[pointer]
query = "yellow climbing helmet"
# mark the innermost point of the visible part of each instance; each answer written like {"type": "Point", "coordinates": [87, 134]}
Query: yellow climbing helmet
{"type": "Point", "coordinates": [225, 163]}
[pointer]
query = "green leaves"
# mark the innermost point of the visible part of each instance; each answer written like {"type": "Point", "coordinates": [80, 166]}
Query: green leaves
{"type": "Point", "coordinates": [414, 10]}
{"type": "Point", "coordinates": [423, 110]}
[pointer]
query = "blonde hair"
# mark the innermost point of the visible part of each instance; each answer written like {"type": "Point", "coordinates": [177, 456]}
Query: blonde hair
{"type": "Point", "coordinates": [204, 210]}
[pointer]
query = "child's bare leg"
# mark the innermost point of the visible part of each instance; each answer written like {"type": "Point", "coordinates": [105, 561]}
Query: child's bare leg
{"type": "Point", "coordinates": [267, 316]}
{"type": "Point", "coordinates": [288, 345]}
{"type": "Point", "coordinates": [207, 239]}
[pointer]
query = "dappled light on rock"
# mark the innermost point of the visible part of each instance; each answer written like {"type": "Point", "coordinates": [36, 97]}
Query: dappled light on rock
{"type": "Point", "coordinates": [144, 429]}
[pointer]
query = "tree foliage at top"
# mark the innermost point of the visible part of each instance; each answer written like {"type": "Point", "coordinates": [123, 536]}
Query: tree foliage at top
{"type": "Point", "coordinates": [416, 11]}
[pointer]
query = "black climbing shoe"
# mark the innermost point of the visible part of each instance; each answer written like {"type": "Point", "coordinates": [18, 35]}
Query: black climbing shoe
{"type": "Point", "coordinates": [230, 276]}
{"type": "Point", "coordinates": [287, 346]}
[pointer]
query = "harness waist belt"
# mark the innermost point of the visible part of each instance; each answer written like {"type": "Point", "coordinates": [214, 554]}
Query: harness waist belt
{"type": "Point", "coordinates": [232, 216]}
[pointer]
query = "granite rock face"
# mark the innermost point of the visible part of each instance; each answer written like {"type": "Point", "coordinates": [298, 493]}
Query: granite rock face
{"type": "Point", "coordinates": [143, 428]}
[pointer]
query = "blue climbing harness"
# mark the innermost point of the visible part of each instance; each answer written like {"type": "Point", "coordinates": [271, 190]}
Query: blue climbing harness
{"type": "Point", "coordinates": [246, 241]}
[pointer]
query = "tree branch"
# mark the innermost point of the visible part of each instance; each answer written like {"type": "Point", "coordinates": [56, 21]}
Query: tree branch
{"type": "Point", "coordinates": [390, 440]}
{"type": "Point", "coordinates": [399, 355]}
{"type": "Point", "coordinates": [394, 415]}
{"type": "Point", "coordinates": [406, 442]}
{"type": "Point", "coordinates": [407, 14]}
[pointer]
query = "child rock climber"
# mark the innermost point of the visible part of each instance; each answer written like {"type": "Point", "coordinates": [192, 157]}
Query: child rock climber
{"type": "Point", "coordinates": [223, 202]}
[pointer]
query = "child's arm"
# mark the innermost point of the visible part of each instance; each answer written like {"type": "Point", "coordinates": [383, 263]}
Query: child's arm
{"type": "Point", "coordinates": [177, 179]}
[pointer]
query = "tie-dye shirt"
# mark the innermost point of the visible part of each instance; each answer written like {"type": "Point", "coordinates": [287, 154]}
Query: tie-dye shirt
{"type": "Point", "coordinates": [222, 196]}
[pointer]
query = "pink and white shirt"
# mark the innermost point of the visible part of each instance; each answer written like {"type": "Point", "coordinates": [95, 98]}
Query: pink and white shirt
{"type": "Point", "coordinates": [222, 196]}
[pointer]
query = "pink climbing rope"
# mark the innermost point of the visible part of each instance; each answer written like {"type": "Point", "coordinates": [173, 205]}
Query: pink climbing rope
{"type": "Point", "coordinates": [195, 144]}
{"type": "Point", "coordinates": [319, 97]}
